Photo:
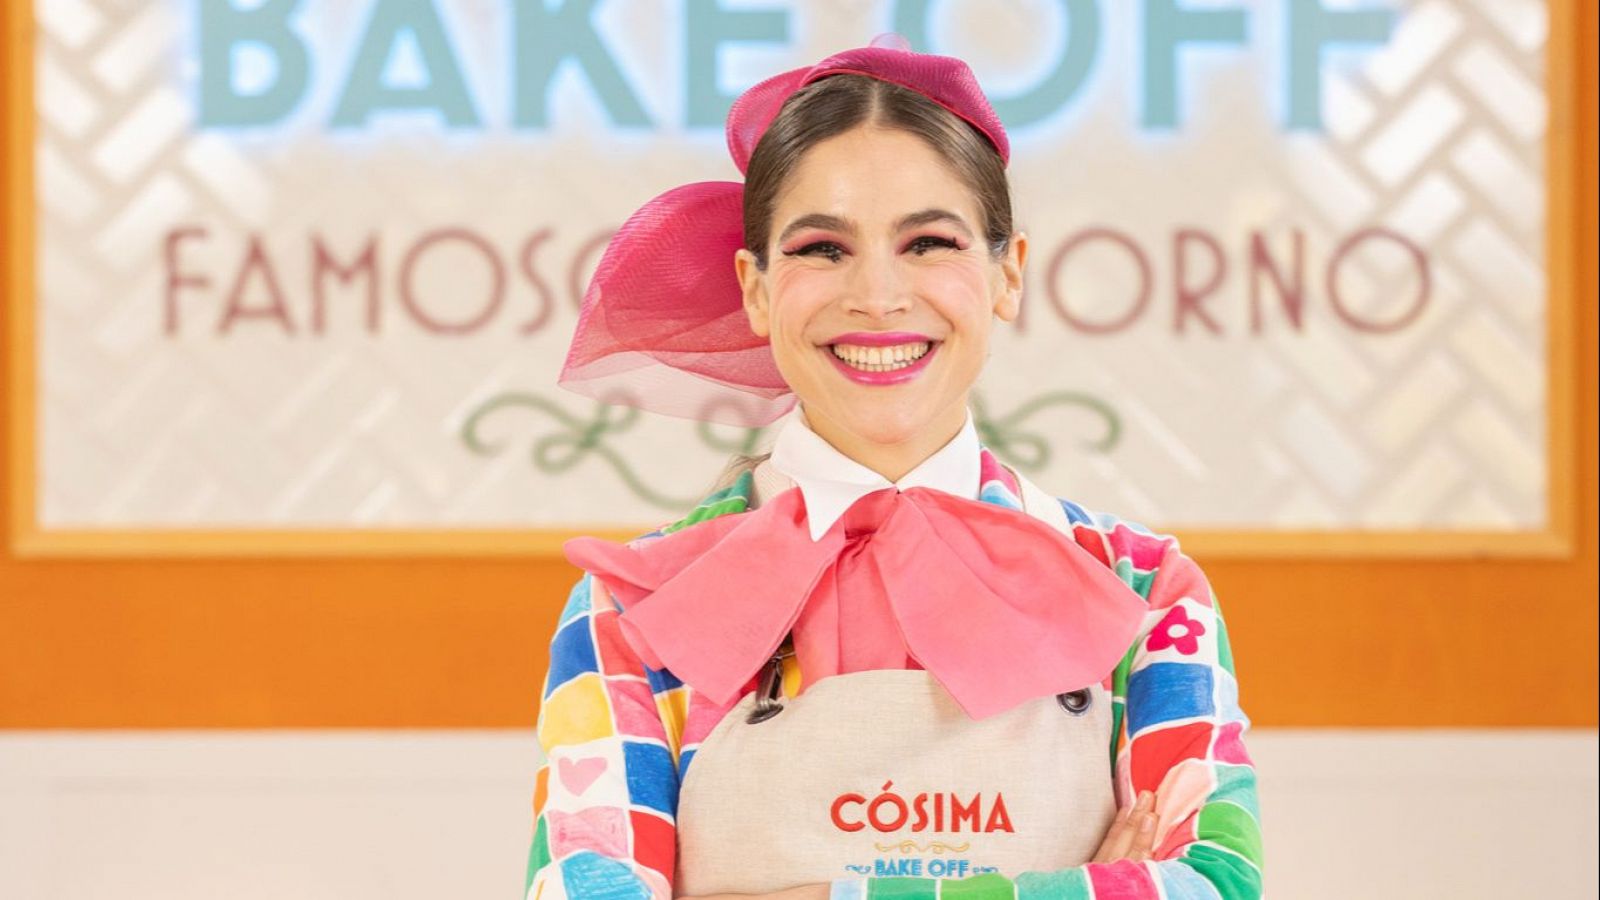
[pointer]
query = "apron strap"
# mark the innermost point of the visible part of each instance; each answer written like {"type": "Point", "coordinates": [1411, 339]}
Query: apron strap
{"type": "Point", "coordinates": [769, 694]}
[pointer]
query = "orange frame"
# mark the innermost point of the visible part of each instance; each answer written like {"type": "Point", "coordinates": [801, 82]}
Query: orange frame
{"type": "Point", "coordinates": [450, 630]}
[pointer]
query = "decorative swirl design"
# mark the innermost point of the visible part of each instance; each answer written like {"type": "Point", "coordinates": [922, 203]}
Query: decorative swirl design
{"type": "Point", "coordinates": [909, 846]}
{"type": "Point", "coordinates": [582, 438]}
{"type": "Point", "coordinates": [1027, 450]}
{"type": "Point", "coordinates": [859, 870]}
{"type": "Point", "coordinates": [556, 453]}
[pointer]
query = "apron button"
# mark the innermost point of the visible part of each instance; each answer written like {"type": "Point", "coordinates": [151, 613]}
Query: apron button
{"type": "Point", "coordinates": [762, 713]}
{"type": "Point", "coordinates": [1075, 702]}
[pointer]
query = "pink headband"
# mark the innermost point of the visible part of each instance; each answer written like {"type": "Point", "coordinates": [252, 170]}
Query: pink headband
{"type": "Point", "coordinates": [662, 325]}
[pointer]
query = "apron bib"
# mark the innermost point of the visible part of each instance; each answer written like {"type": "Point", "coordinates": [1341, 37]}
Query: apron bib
{"type": "Point", "coordinates": [880, 773]}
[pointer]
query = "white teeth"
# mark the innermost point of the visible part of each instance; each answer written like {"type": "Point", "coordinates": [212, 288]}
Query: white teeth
{"type": "Point", "coordinates": [880, 359]}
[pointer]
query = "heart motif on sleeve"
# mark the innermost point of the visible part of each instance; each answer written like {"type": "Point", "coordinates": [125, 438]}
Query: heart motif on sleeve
{"type": "Point", "coordinates": [577, 776]}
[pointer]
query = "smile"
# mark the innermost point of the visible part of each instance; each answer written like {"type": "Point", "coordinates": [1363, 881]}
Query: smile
{"type": "Point", "coordinates": [881, 359]}
{"type": "Point", "coordinates": [883, 364]}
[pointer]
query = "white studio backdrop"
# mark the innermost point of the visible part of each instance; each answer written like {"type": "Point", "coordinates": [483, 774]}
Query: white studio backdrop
{"type": "Point", "coordinates": [313, 264]}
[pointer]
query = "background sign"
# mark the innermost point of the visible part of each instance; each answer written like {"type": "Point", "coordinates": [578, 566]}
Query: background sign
{"type": "Point", "coordinates": [312, 265]}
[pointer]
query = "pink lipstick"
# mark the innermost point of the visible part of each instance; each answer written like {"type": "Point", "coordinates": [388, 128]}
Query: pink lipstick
{"type": "Point", "coordinates": [882, 339]}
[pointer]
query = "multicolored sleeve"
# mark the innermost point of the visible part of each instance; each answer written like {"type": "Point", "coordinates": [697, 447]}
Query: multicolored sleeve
{"type": "Point", "coordinates": [605, 801]}
{"type": "Point", "coordinates": [1178, 731]}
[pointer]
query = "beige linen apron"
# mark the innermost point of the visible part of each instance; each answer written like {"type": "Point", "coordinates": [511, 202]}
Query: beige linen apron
{"type": "Point", "coordinates": [880, 773]}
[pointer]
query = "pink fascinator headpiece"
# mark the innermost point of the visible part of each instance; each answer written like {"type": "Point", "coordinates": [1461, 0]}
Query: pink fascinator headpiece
{"type": "Point", "coordinates": [662, 326]}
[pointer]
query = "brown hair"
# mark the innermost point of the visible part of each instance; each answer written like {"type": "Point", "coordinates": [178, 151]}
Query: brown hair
{"type": "Point", "coordinates": [838, 103]}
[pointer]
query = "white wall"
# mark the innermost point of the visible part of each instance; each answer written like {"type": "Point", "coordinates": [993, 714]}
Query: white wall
{"type": "Point", "coordinates": [447, 814]}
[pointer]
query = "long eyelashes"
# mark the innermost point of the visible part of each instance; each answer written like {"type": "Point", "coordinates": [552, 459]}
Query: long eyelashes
{"type": "Point", "coordinates": [833, 252]}
{"type": "Point", "coordinates": [828, 249]}
{"type": "Point", "coordinates": [927, 242]}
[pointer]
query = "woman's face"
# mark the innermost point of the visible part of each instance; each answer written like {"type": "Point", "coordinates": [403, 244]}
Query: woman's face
{"type": "Point", "coordinates": [880, 291]}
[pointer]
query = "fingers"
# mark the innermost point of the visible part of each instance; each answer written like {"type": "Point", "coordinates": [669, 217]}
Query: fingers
{"type": "Point", "coordinates": [1119, 837]}
{"type": "Point", "coordinates": [1132, 832]}
{"type": "Point", "coordinates": [1113, 840]}
{"type": "Point", "coordinates": [1144, 840]}
{"type": "Point", "coordinates": [1141, 826]}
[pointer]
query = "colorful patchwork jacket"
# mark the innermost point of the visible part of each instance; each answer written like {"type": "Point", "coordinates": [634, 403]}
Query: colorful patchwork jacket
{"type": "Point", "coordinates": [604, 827]}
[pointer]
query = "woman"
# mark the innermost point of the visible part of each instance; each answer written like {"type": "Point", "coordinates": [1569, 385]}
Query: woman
{"type": "Point", "coordinates": [877, 662]}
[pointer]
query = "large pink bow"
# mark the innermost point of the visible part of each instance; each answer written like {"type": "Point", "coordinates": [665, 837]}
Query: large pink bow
{"type": "Point", "coordinates": [997, 605]}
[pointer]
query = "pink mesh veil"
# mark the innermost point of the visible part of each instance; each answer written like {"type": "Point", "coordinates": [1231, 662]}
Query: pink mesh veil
{"type": "Point", "coordinates": [662, 326]}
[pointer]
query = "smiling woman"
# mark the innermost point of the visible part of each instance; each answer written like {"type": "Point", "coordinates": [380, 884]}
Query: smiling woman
{"type": "Point", "coordinates": [876, 661]}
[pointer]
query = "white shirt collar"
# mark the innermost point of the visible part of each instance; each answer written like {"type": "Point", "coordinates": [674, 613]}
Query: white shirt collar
{"type": "Point", "coordinates": [830, 482]}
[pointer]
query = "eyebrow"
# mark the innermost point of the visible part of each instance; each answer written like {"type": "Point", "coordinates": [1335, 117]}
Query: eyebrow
{"type": "Point", "coordinates": [910, 220]}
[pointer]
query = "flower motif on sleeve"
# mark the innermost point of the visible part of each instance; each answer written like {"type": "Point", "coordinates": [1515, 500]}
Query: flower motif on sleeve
{"type": "Point", "coordinates": [1176, 629]}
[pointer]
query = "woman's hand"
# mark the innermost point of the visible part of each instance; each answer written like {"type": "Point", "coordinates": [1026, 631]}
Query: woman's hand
{"type": "Point", "coordinates": [1132, 834]}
